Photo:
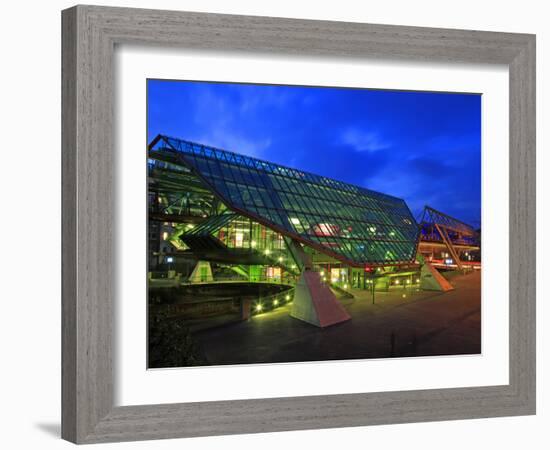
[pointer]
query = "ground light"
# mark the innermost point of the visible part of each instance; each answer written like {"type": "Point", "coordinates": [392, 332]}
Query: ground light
{"type": "Point", "coordinates": [287, 297]}
{"type": "Point", "coordinates": [275, 302]}
{"type": "Point", "coordinates": [259, 307]}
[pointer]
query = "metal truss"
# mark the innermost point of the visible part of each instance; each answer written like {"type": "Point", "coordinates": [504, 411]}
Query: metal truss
{"type": "Point", "coordinates": [439, 227]}
{"type": "Point", "coordinates": [352, 224]}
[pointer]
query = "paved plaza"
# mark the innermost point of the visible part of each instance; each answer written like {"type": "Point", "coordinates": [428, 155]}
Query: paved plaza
{"type": "Point", "coordinates": [403, 322]}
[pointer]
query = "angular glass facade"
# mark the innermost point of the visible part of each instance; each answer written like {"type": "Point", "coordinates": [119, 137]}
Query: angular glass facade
{"type": "Point", "coordinates": [238, 233]}
{"type": "Point", "coordinates": [352, 224]}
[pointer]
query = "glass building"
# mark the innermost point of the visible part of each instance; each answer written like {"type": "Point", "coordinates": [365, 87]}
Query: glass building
{"type": "Point", "coordinates": [247, 203]}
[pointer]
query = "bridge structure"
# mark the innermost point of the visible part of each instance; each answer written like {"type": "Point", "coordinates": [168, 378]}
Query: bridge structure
{"type": "Point", "coordinates": [447, 241]}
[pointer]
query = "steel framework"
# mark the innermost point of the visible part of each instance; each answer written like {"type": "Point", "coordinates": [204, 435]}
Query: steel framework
{"type": "Point", "coordinates": [352, 224]}
{"type": "Point", "coordinates": [436, 226]}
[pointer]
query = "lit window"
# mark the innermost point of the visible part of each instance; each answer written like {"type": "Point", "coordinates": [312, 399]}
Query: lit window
{"type": "Point", "coordinates": [326, 229]}
{"type": "Point", "coordinates": [238, 239]}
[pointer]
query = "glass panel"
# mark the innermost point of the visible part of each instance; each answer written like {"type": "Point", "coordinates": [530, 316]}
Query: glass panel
{"type": "Point", "coordinates": [360, 225]}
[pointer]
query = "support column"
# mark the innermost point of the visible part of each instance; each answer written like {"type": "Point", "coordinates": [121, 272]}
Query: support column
{"type": "Point", "coordinates": [432, 280]}
{"type": "Point", "coordinates": [202, 273]}
{"type": "Point", "coordinates": [315, 303]}
{"type": "Point", "coordinates": [456, 257]}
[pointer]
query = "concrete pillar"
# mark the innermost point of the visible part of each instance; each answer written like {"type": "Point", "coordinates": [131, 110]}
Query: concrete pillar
{"type": "Point", "coordinates": [432, 280]}
{"type": "Point", "coordinates": [202, 273]}
{"type": "Point", "coordinates": [245, 309]}
{"type": "Point", "coordinates": [315, 303]}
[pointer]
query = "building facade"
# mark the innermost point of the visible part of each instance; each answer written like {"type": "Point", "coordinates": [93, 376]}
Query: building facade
{"type": "Point", "coordinates": [234, 217]}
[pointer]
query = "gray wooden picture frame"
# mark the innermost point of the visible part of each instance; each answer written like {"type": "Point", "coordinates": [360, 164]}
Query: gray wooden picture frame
{"type": "Point", "coordinates": [90, 34]}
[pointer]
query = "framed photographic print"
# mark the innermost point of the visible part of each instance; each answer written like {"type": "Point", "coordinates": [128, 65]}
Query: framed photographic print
{"type": "Point", "coordinates": [268, 222]}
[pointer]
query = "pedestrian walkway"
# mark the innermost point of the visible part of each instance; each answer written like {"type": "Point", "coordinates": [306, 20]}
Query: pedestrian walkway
{"type": "Point", "coordinates": [401, 322]}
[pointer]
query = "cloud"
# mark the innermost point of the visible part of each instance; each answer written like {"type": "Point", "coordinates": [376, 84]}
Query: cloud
{"type": "Point", "coordinates": [429, 168]}
{"type": "Point", "coordinates": [364, 141]}
{"type": "Point", "coordinates": [257, 99]}
{"type": "Point", "coordinates": [218, 123]}
{"type": "Point", "coordinates": [442, 190]}
{"type": "Point", "coordinates": [227, 140]}
{"type": "Point", "coordinates": [455, 142]}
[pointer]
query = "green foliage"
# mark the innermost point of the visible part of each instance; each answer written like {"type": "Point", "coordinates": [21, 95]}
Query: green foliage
{"type": "Point", "coordinates": [171, 343]}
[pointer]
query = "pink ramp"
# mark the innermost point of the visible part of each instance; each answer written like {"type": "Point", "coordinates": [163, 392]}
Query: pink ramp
{"type": "Point", "coordinates": [315, 303]}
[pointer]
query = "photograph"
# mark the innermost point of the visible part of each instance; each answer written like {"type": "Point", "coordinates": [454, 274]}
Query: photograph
{"type": "Point", "coordinates": [311, 223]}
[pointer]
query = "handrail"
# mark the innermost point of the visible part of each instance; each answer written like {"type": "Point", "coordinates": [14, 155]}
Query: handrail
{"type": "Point", "coordinates": [277, 281]}
{"type": "Point", "coordinates": [272, 301]}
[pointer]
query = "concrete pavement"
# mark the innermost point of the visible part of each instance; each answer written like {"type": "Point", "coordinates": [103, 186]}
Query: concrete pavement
{"type": "Point", "coordinates": [403, 322]}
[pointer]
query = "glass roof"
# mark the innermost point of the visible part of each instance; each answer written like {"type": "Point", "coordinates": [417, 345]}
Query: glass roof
{"type": "Point", "coordinates": [353, 224]}
{"type": "Point", "coordinates": [458, 232]}
{"type": "Point", "coordinates": [433, 216]}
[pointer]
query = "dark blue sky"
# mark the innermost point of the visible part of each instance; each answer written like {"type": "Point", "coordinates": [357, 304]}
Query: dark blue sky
{"type": "Point", "coordinates": [423, 147]}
